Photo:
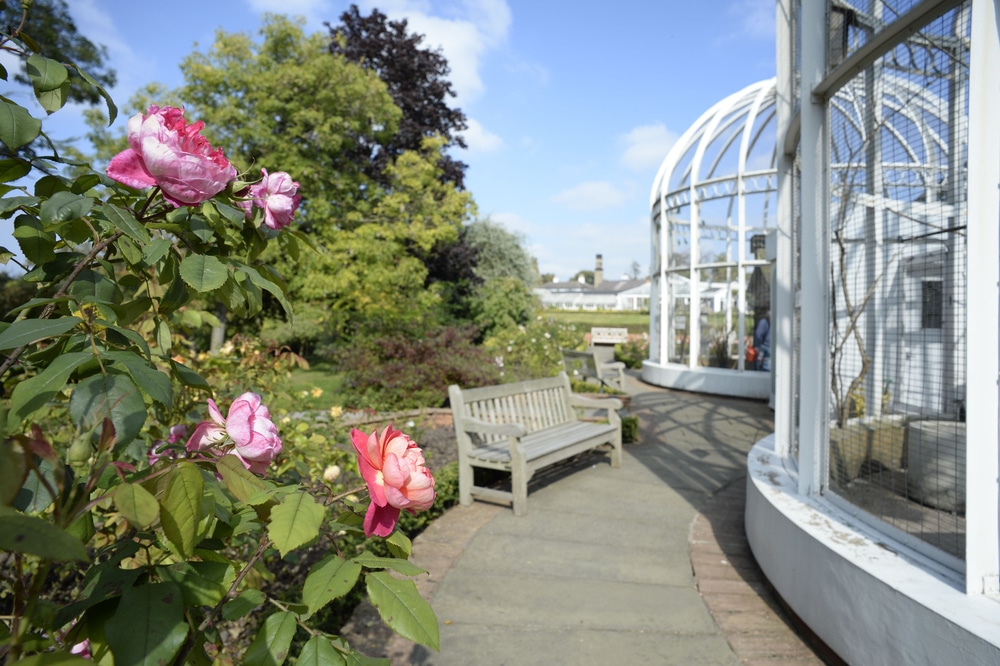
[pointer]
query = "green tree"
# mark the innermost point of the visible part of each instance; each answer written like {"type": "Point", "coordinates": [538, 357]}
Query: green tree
{"type": "Point", "coordinates": [501, 252]}
{"type": "Point", "coordinates": [417, 79]}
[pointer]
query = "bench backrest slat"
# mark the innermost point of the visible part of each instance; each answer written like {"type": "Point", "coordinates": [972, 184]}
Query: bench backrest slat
{"type": "Point", "coordinates": [535, 404]}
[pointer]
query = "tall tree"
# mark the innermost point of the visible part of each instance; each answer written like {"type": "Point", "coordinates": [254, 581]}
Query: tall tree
{"type": "Point", "coordinates": [417, 81]}
{"type": "Point", "coordinates": [49, 23]}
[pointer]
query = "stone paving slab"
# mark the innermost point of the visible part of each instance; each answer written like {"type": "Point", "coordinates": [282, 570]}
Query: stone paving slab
{"type": "Point", "coordinates": [573, 582]}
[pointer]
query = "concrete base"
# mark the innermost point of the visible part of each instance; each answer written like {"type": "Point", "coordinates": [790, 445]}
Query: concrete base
{"type": "Point", "coordinates": [717, 381]}
{"type": "Point", "coordinates": [871, 599]}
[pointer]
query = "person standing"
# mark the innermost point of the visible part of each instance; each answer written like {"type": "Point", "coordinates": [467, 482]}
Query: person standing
{"type": "Point", "coordinates": [762, 342]}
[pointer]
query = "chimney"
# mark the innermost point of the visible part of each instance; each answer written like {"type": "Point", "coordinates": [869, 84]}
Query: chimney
{"type": "Point", "coordinates": [598, 272]}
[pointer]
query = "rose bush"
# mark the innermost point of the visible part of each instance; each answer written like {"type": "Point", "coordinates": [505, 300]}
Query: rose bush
{"type": "Point", "coordinates": [118, 541]}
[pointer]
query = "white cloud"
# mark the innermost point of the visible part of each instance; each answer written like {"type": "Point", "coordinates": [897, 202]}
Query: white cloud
{"type": "Point", "coordinates": [479, 139]}
{"type": "Point", "coordinates": [477, 26]}
{"type": "Point", "coordinates": [646, 146]}
{"type": "Point", "coordinates": [591, 196]}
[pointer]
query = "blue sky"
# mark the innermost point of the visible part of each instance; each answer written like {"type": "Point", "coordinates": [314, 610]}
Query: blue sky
{"type": "Point", "coordinates": [571, 105]}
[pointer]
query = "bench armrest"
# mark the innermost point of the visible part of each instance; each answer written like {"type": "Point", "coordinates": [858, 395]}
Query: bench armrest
{"type": "Point", "coordinates": [612, 365]}
{"type": "Point", "coordinates": [577, 400]}
{"type": "Point", "coordinates": [469, 424]}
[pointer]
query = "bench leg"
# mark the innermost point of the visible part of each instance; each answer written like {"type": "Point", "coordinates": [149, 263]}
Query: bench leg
{"type": "Point", "coordinates": [519, 490]}
{"type": "Point", "coordinates": [465, 479]}
{"type": "Point", "coordinates": [616, 449]}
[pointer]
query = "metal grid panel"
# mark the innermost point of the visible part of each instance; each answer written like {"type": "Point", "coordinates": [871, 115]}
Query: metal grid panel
{"type": "Point", "coordinates": [898, 140]}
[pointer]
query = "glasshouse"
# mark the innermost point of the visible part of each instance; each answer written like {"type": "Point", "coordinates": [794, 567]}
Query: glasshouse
{"type": "Point", "coordinates": [853, 202]}
{"type": "Point", "coordinates": [712, 205]}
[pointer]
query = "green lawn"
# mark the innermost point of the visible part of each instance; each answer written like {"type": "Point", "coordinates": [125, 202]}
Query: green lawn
{"type": "Point", "coordinates": [635, 322]}
{"type": "Point", "coordinates": [316, 388]}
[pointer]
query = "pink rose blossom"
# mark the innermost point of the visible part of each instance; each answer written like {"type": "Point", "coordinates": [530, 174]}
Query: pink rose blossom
{"type": "Point", "coordinates": [162, 449]}
{"type": "Point", "coordinates": [278, 195]}
{"type": "Point", "coordinates": [248, 426]}
{"type": "Point", "coordinates": [82, 649]}
{"type": "Point", "coordinates": [393, 467]}
{"type": "Point", "coordinates": [164, 150]}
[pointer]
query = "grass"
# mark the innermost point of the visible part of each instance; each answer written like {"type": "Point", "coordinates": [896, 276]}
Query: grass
{"type": "Point", "coordinates": [635, 322]}
{"type": "Point", "coordinates": [319, 387]}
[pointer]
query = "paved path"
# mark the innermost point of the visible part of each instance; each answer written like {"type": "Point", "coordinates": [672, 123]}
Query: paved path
{"type": "Point", "coordinates": [614, 566]}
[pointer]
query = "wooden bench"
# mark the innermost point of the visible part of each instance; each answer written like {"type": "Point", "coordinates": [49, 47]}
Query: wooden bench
{"type": "Point", "coordinates": [585, 365]}
{"type": "Point", "coordinates": [523, 427]}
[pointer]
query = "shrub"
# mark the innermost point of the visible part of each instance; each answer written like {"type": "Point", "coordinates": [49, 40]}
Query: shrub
{"type": "Point", "coordinates": [630, 429]}
{"type": "Point", "coordinates": [399, 372]}
{"type": "Point", "coordinates": [633, 352]}
{"type": "Point", "coordinates": [532, 351]}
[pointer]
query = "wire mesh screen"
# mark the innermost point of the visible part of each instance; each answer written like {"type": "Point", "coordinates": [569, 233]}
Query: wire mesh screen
{"type": "Point", "coordinates": [898, 140]}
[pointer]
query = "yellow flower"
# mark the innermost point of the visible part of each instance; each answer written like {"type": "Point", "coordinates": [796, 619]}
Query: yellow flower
{"type": "Point", "coordinates": [336, 411]}
{"type": "Point", "coordinates": [317, 392]}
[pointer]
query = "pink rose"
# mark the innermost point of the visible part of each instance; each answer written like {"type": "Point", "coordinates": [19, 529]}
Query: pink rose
{"type": "Point", "coordinates": [278, 195]}
{"type": "Point", "coordinates": [254, 436]}
{"type": "Point", "coordinates": [167, 152]}
{"type": "Point", "coordinates": [393, 467]}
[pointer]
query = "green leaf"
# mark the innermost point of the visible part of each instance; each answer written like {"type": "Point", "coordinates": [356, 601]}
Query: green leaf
{"type": "Point", "coordinates": [8, 204]}
{"type": "Point", "coordinates": [202, 583]}
{"type": "Point", "coordinates": [37, 244]}
{"type": "Point", "coordinates": [241, 482]}
{"type": "Point", "coordinates": [26, 331]}
{"type": "Point", "coordinates": [112, 109]}
{"type": "Point", "coordinates": [399, 545]}
{"type": "Point", "coordinates": [53, 100]}
{"type": "Point", "coordinates": [180, 508]}
{"type": "Point", "coordinates": [45, 73]}
{"type": "Point", "coordinates": [270, 645]}
{"type": "Point", "coordinates": [154, 383]}
{"type": "Point", "coordinates": [17, 127]}
{"type": "Point", "coordinates": [91, 286]}
{"type": "Point", "coordinates": [163, 338]}
{"type": "Point", "coordinates": [189, 377]}
{"type": "Point", "coordinates": [148, 626]}
{"type": "Point", "coordinates": [137, 504]}
{"type": "Point", "coordinates": [242, 605]}
{"type": "Point", "coordinates": [12, 169]}
{"type": "Point", "coordinates": [34, 495]}
{"type": "Point", "coordinates": [13, 469]}
{"type": "Point", "coordinates": [329, 579]}
{"type": "Point", "coordinates": [319, 651]}
{"type": "Point", "coordinates": [33, 393]}
{"type": "Point", "coordinates": [295, 521]}
{"type": "Point", "coordinates": [63, 207]}
{"type": "Point", "coordinates": [110, 396]}
{"type": "Point", "coordinates": [404, 567]}
{"type": "Point", "coordinates": [203, 272]}
{"type": "Point", "coordinates": [260, 281]}
{"type": "Point", "coordinates": [85, 182]}
{"type": "Point", "coordinates": [403, 609]}
{"type": "Point", "coordinates": [124, 220]}
{"type": "Point", "coordinates": [35, 536]}
{"type": "Point", "coordinates": [155, 251]}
